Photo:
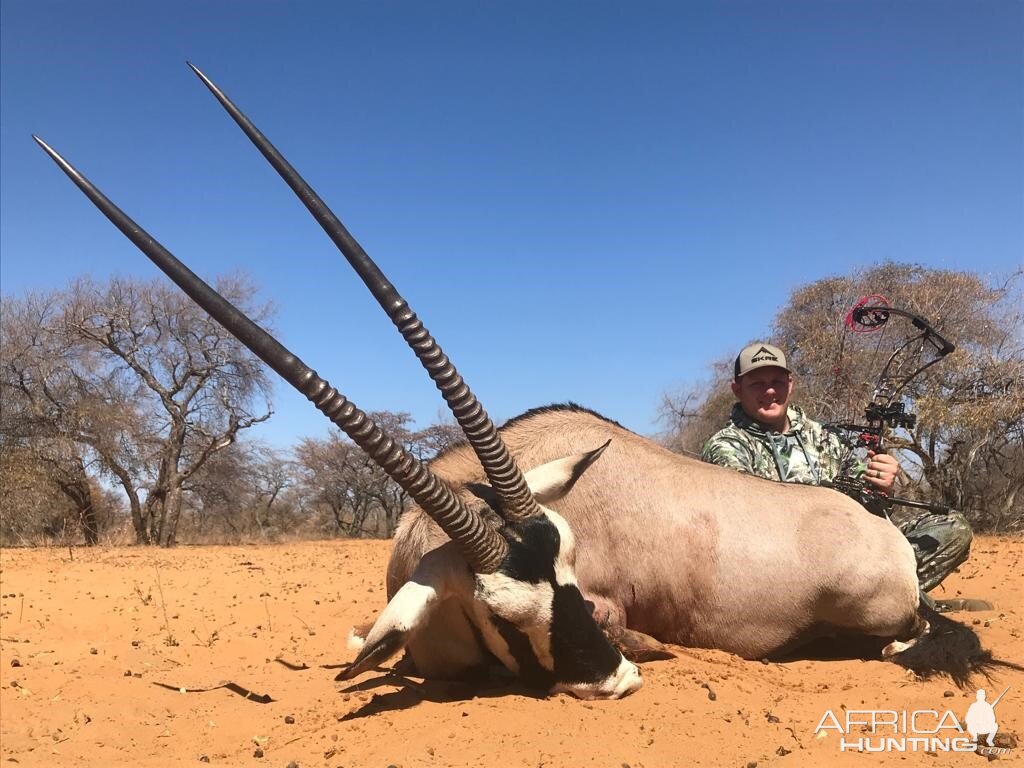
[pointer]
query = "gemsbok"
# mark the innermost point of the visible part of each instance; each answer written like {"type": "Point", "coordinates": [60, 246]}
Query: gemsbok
{"type": "Point", "coordinates": [602, 533]}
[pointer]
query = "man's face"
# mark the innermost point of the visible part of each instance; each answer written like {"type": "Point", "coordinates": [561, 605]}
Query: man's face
{"type": "Point", "coordinates": [764, 395]}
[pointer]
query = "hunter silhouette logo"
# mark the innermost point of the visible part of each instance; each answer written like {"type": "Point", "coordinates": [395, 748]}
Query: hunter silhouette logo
{"type": "Point", "coordinates": [763, 354]}
{"type": "Point", "coordinates": [981, 717]}
{"type": "Point", "coordinates": [920, 730]}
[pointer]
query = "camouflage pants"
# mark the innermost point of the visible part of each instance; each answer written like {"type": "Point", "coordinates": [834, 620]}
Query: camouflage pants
{"type": "Point", "coordinates": [941, 542]}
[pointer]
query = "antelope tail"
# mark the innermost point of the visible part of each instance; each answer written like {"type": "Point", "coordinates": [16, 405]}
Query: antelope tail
{"type": "Point", "coordinates": [949, 648]}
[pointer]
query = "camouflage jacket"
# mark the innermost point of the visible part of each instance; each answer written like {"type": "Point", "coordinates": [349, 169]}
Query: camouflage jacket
{"type": "Point", "coordinates": [807, 453]}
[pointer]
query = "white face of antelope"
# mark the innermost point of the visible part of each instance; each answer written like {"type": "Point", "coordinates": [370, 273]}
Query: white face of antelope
{"type": "Point", "coordinates": [533, 618]}
{"type": "Point", "coordinates": [529, 613]}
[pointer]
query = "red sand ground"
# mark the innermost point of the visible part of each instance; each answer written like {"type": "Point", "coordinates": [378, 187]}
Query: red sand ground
{"type": "Point", "coordinates": [84, 643]}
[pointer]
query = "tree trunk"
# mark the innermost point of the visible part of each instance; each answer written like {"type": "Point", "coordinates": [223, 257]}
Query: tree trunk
{"type": "Point", "coordinates": [156, 514]}
{"type": "Point", "coordinates": [171, 514]}
{"type": "Point", "coordinates": [81, 496]}
{"type": "Point", "coordinates": [138, 521]}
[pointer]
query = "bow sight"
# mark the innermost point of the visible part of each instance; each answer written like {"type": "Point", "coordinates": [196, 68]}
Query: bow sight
{"type": "Point", "coordinates": [879, 418]}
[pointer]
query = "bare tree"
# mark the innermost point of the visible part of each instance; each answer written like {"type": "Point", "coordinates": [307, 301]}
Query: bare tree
{"type": "Point", "coordinates": [36, 421]}
{"type": "Point", "coordinates": [242, 493]}
{"type": "Point", "coordinates": [31, 505]}
{"type": "Point", "coordinates": [341, 480]}
{"type": "Point", "coordinates": [137, 375]}
{"type": "Point", "coordinates": [692, 414]}
{"type": "Point", "coordinates": [46, 492]}
{"type": "Point", "coordinates": [358, 497]}
{"type": "Point", "coordinates": [270, 477]}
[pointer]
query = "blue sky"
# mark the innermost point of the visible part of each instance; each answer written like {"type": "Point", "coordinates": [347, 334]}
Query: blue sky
{"type": "Point", "coordinates": [582, 200]}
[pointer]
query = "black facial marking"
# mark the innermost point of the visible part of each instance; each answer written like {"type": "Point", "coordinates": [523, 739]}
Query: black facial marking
{"type": "Point", "coordinates": [580, 650]}
{"type": "Point", "coordinates": [533, 547]}
{"type": "Point", "coordinates": [531, 671]}
{"type": "Point", "coordinates": [485, 493]}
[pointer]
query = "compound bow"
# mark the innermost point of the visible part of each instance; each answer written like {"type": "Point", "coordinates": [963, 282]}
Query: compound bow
{"type": "Point", "coordinates": [886, 409]}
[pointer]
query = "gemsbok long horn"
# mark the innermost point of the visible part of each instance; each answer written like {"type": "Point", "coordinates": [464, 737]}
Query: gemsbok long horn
{"type": "Point", "coordinates": [505, 476]}
{"type": "Point", "coordinates": [482, 546]}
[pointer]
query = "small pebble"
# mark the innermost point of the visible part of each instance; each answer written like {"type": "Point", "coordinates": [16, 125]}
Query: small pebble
{"type": "Point", "coordinates": [782, 751]}
{"type": "Point", "coordinates": [93, 651]}
{"type": "Point", "coordinates": [258, 752]}
{"type": "Point", "coordinates": [948, 694]}
{"type": "Point", "coordinates": [15, 663]}
{"type": "Point", "coordinates": [204, 759]}
{"type": "Point", "coordinates": [127, 673]}
{"type": "Point", "coordinates": [293, 764]}
{"type": "Point", "coordinates": [289, 720]}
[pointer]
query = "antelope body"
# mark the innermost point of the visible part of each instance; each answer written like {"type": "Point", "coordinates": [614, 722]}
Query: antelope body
{"type": "Point", "coordinates": [691, 553]}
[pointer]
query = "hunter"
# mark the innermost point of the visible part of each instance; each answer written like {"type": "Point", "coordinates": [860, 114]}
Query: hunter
{"type": "Point", "coordinates": [768, 437]}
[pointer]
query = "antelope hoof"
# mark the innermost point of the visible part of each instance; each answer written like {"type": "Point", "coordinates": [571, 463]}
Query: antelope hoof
{"type": "Point", "coordinates": [899, 646]}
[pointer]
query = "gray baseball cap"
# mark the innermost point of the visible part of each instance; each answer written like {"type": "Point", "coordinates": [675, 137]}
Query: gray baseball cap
{"type": "Point", "coordinates": [758, 355]}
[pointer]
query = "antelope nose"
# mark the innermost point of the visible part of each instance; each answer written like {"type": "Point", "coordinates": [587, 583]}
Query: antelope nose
{"type": "Point", "coordinates": [629, 679]}
{"type": "Point", "coordinates": [622, 682]}
{"type": "Point", "coordinates": [625, 680]}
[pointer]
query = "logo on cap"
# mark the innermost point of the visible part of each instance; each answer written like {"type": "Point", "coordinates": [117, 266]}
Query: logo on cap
{"type": "Point", "coordinates": [763, 354]}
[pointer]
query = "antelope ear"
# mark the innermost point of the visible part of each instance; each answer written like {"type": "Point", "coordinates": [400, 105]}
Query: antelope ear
{"type": "Point", "coordinates": [433, 580]}
{"type": "Point", "coordinates": [636, 646]}
{"type": "Point", "coordinates": [551, 481]}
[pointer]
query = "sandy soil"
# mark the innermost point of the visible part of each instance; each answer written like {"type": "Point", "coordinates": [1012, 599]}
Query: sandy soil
{"type": "Point", "coordinates": [97, 646]}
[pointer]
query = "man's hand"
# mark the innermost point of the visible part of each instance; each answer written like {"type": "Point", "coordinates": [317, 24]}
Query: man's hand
{"type": "Point", "coordinates": [882, 470]}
